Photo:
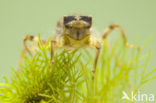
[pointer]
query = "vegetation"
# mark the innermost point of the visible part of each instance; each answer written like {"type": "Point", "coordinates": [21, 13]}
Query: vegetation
{"type": "Point", "coordinates": [69, 79]}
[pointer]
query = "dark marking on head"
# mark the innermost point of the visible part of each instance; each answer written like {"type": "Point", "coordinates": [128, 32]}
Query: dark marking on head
{"type": "Point", "coordinates": [68, 19]}
{"type": "Point", "coordinates": [77, 34]}
{"type": "Point", "coordinates": [87, 19]}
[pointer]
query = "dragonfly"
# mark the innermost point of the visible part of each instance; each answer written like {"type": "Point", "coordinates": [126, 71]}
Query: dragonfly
{"type": "Point", "coordinates": [75, 31]}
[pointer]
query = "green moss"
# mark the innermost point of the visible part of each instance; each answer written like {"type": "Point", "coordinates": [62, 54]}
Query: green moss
{"type": "Point", "coordinates": [69, 79]}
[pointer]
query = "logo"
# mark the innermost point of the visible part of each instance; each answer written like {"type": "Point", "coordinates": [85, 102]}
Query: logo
{"type": "Point", "coordinates": [138, 96]}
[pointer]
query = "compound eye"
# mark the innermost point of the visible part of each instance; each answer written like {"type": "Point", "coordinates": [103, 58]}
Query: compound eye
{"type": "Point", "coordinates": [87, 19]}
{"type": "Point", "coordinates": [68, 19]}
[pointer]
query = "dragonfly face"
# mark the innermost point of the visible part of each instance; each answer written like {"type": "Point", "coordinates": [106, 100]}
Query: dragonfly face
{"type": "Point", "coordinates": [77, 27]}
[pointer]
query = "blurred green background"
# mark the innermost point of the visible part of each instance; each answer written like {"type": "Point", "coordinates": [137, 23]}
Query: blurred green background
{"type": "Point", "coordinates": [18, 17]}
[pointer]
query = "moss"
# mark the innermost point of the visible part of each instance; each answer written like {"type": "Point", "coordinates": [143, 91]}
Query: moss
{"type": "Point", "coordinates": [69, 79]}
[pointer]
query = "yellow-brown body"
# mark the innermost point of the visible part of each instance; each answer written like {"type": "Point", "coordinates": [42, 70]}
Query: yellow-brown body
{"type": "Point", "coordinates": [74, 31]}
